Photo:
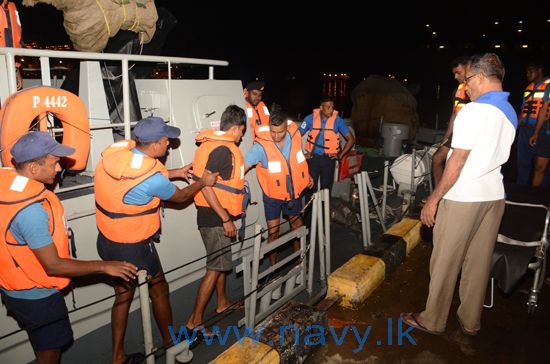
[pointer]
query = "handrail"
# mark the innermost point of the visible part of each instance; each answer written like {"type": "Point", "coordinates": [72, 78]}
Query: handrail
{"type": "Point", "coordinates": [108, 56]}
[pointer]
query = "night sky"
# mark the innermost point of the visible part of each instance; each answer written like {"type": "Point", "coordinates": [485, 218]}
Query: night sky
{"type": "Point", "coordinates": [291, 43]}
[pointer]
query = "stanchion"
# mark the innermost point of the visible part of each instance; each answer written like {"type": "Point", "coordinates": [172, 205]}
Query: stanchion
{"type": "Point", "coordinates": [146, 316]}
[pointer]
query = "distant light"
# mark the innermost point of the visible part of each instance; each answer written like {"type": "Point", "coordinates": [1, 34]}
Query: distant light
{"type": "Point", "coordinates": [483, 35]}
{"type": "Point", "coordinates": [427, 25]}
{"type": "Point", "coordinates": [548, 20]}
{"type": "Point", "coordinates": [496, 23]}
{"type": "Point", "coordinates": [519, 30]}
{"type": "Point", "coordinates": [524, 46]}
{"type": "Point", "coordinates": [324, 74]}
{"type": "Point", "coordinates": [441, 46]}
{"type": "Point", "coordinates": [60, 61]}
{"type": "Point", "coordinates": [22, 59]}
{"type": "Point", "coordinates": [330, 75]}
{"type": "Point", "coordinates": [497, 45]}
{"type": "Point", "coordinates": [520, 22]}
{"type": "Point", "coordinates": [405, 80]}
{"type": "Point", "coordinates": [434, 33]}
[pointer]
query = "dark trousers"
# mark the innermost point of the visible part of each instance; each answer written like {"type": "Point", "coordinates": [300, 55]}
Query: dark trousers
{"type": "Point", "coordinates": [321, 168]}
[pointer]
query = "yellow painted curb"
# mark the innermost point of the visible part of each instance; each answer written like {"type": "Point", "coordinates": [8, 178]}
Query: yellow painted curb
{"type": "Point", "coordinates": [247, 353]}
{"type": "Point", "coordinates": [356, 280]}
{"type": "Point", "coordinates": [408, 230]}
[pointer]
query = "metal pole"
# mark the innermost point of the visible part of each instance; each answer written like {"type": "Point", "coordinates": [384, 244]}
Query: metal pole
{"type": "Point", "coordinates": [385, 189]}
{"type": "Point", "coordinates": [45, 71]}
{"type": "Point", "coordinates": [320, 231]}
{"type": "Point", "coordinates": [12, 80]}
{"type": "Point", "coordinates": [210, 73]}
{"type": "Point", "coordinates": [358, 180]}
{"type": "Point", "coordinates": [181, 350]}
{"type": "Point", "coordinates": [126, 99]}
{"type": "Point", "coordinates": [254, 285]}
{"type": "Point", "coordinates": [312, 236]}
{"type": "Point", "coordinates": [326, 193]}
{"type": "Point", "coordinates": [146, 315]}
{"type": "Point", "coordinates": [374, 200]}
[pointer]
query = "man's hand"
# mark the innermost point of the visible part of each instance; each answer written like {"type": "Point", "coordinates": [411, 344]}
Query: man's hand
{"type": "Point", "coordinates": [427, 215]}
{"type": "Point", "coordinates": [533, 139]}
{"type": "Point", "coordinates": [124, 270]}
{"type": "Point", "coordinates": [209, 179]}
{"type": "Point", "coordinates": [333, 156]}
{"type": "Point", "coordinates": [19, 79]}
{"type": "Point", "coordinates": [310, 183]}
{"type": "Point", "coordinates": [185, 172]}
{"type": "Point", "coordinates": [229, 229]}
{"type": "Point", "coordinates": [307, 154]}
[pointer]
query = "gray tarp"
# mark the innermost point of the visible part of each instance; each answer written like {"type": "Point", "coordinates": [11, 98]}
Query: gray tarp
{"type": "Point", "coordinates": [90, 23]}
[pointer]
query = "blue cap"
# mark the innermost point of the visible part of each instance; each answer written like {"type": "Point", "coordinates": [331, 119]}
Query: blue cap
{"type": "Point", "coordinates": [38, 144]}
{"type": "Point", "coordinates": [153, 128]}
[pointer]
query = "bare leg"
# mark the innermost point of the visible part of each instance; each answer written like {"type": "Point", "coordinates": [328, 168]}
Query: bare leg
{"type": "Point", "coordinates": [295, 223]}
{"type": "Point", "coordinates": [438, 163]}
{"type": "Point", "coordinates": [160, 296]}
{"type": "Point", "coordinates": [273, 229]}
{"type": "Point", "coordinates": [48, 356]}
{"type": "Point", "coordinates": [206, 288]}
{"type": "Point", "coordinates": [119, 320]}
{"type": "Point", "coordinates": [540, 167]}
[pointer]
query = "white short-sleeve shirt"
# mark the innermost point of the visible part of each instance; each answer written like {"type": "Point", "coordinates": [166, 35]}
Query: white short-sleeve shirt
{"type": "Point", "coordinates": [487, 128]}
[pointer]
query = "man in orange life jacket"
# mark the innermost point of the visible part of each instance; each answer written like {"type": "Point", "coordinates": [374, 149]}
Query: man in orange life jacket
{"type": "Point", "coordinates": [459, 67]}
{"type": "Point", "coordinates": [130, 183]}
{"type": "Point", "coordinates": [282, 172]}
{"type": "Point", "coordinates": [10, 31]}
{"type": "Point", "coordinates": [34, 247]}
{"type": "Point", "coordinates": [256, 111]}
{"type": "Point", "coordinates": [534, 96]}
{"type": "Point", "coordinates": [217, 207]}
{"type": "Point", "coordinates": [323, 145]}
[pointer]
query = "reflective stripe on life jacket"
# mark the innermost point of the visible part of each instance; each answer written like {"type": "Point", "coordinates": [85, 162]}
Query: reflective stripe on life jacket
{"type": "Point", "coordinates": [532, 101]}
{"type": "Point", "coordinates": [10, 26]}
{"type": "Point", "coordinates": [331, 142]}
{"type": "Point", "coordinates": [257, 116]}
{"type": "Point", "coordinates": [282, 179]}
{"type": "Point", "coordinates": [461, 98]}
{"type": "Point", "coordinates": [229, 192]}
{"type": "Point", "coordinates": [116, 174]}
{"type": "Point", "coordinates": [19, 267]}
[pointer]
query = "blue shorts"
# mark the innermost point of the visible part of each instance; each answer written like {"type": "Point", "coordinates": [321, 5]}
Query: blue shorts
{"type": "Point", "coordinates": [273, 207]}
{"type": "Point", "coordinates": [542, 148]}
{"type": "Point", "coordinates": [143, 254]}
{"type": "Point", "coordinates": [46, 320]}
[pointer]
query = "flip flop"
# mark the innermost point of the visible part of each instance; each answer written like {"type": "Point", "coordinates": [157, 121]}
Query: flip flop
{"type": "Point", "coordinates": [199, 336]}
{"type": "Point", "coordinates": [235, 306]}
{"type": "Point", "coordinates": [134, 358]}
{"type": "Point", "coordinates": [415, 323]}
{"type": "Point", "coordinates": [464, 330]}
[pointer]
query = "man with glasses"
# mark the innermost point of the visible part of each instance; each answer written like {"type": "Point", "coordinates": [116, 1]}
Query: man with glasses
{"type": "Point", "coordinates": [470, 192]}
{"type": "Point", "coordinates": [459, 67]}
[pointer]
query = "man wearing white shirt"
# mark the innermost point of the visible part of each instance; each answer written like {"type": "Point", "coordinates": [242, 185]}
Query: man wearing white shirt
{"type": "Point", "coordinates": [469, 201]}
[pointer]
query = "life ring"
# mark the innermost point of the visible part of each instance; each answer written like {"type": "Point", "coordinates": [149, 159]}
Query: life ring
{"type": "Point", "coordinates": [23, 107]}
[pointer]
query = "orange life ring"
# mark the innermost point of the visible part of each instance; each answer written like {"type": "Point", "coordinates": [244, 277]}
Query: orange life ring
{"type": "Point", "coordinates": [20, 109]}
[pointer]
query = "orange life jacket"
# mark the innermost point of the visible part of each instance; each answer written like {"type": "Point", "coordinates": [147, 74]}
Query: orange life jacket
{"type": "Point", "coordinates": [229, 192]}
{"type": "Point", "coordinates": [331, 138]}
{"type": "Point", "coordinates": [257, 116]}
{"type": "Point", "coordinates": [10, 26]}
{"type": "Point", "coordinates": [282, 179]}
{"type": "Point", "coordinates": [19, 267]}
{"type": "Point", "coordinates": [116, 174]}
{"type": "Point", "coordinates": [532, 101]}
{"type": "Point", "coordinates": [461, 98]}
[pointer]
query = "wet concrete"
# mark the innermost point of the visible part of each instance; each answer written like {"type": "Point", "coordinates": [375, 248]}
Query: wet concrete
{"type": "Point", "coordinates": [508, 334]}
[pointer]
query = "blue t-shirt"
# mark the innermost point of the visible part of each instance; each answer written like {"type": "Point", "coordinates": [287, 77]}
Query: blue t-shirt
{"type": "Point", "coordinates": [256, 154]}
{"type": "Point", "coordinates": [31, 227]}
{"type": "Point", "coordinates": [339, 127]}
{"type": "Point", "coordinates": [156, 185]}
{"type": "Point", "coordinates": [530, 120]}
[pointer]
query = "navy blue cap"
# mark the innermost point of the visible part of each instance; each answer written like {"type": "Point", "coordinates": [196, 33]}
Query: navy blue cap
{"type": "Point", "coordinates": [255, 85]}
{"type": "Point", "coordinates": [38, 144]}
{"type": "Point", "coordinates": [153, 128]}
